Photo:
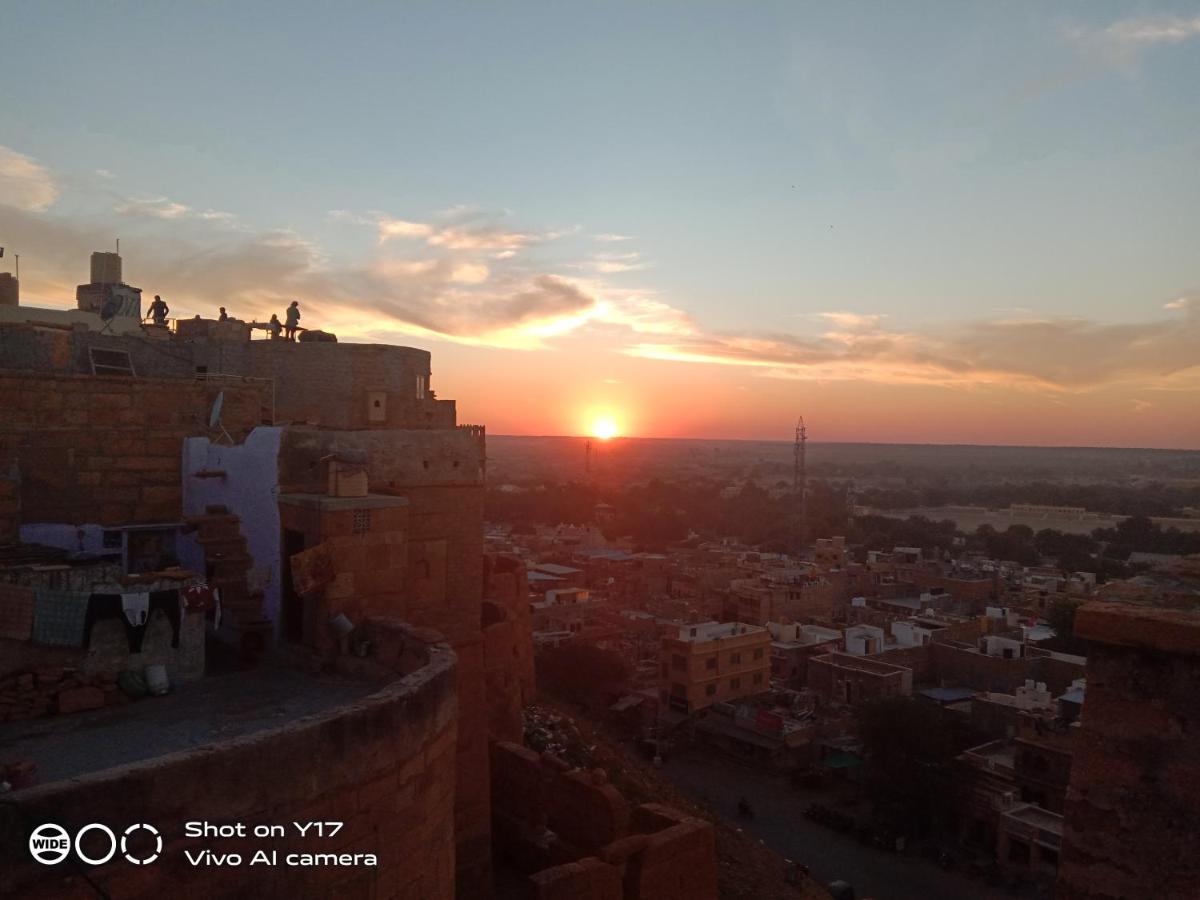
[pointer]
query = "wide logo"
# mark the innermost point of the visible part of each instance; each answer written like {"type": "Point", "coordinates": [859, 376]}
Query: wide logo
{"type": "Point", "coordinates": [50, 844]}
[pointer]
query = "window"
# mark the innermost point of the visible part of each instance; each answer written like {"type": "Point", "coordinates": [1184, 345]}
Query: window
{"type": "Point", "coordinates": [758, 653]}
{"type": "Point", "coordinates": [112, 540]}
{"type": "Point", "coordinates": [735, 683]}
{"type": "Point", "coordinates": [758, 677]}
{"type": "Point", "coordinates": [678, 690]}
{"type": "Point", "coordinates": [110, 362]}
{"type": "Point", "coordinates": [420, 387]}
{"type": "Point", "coordinates": [710, 689]}
{"type": "Point", "coordinates": [362, 521]}
{"type": "Point", "coordinates": [377, 406]}
{"type": "Point", "coordinates": [735, 657]}
{"type": "Point", "coordinates": [710, 663]}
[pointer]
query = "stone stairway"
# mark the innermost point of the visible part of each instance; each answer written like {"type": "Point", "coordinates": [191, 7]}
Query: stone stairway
{"type": "Point", "coordinates": [227, 565]}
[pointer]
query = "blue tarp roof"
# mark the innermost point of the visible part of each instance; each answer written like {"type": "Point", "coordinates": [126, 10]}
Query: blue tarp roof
{"type": "Point", "coordinates": [947, 694]}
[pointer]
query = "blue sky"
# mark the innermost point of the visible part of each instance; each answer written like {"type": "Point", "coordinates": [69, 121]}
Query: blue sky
{"type": "Point", "coordinates": [922, 166]}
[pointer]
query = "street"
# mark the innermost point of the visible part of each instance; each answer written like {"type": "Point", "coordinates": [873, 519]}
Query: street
{"type": "Point", "coordinates": [779, 821]}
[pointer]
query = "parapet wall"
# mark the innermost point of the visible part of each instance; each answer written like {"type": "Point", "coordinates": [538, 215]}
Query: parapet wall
{"type": "Point", "coordinates": [383, 766]}
{"type": "Point", "coordinates": [1133, 806]}
{"type": "Point", "coordinates": [600, 846]}
{"type": "Point", "coordinates": [108, 449]}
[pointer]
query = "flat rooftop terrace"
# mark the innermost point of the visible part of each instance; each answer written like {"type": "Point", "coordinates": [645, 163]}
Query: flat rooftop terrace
{"type": "Point", "coordinates": [216, 708]}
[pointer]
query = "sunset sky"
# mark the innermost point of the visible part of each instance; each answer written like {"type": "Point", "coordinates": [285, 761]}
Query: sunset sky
{"type": "Point", "coordinates": [919, 222]}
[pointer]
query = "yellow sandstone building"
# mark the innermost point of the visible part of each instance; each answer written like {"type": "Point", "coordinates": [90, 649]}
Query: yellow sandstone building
{"type": "Point", "coordinates": [714, 662]}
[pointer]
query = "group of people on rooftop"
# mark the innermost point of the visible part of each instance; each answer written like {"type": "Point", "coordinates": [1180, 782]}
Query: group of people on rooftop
{"type": "Point", "coordinates": [287, 331]}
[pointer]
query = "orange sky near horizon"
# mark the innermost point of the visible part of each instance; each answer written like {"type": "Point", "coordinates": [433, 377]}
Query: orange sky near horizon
{"type": "Point", "coordinates": [563, 393]}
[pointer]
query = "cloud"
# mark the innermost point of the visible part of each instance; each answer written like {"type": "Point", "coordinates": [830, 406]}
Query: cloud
{"type": "Point", "coordinates": [613, 263]}
{"type": "Point", "coordinates": [1059, 354]}
{"type": "Point", "coordinates": [154, 207]}
{"type": "Point", "coordinates": [24, 183]}
{"type": "Point", "coordinates": [610, 238]}
{"type": "Point", "coordinates": [458, 277]}
{"type": "Point", "coordinates": [1122, 42]}
{"type": "Point", "coordinates": [465, 230]}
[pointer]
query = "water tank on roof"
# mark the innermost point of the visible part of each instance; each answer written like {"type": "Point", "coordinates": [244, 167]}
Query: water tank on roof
{"type": "Point", "coordinates": [106, 268]}
{"type": "Point", "coordinates": [10, 290]}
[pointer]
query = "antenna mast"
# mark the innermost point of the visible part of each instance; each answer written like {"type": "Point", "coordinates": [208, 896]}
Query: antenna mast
{"type": "Point", "coordinates": [800, 480]}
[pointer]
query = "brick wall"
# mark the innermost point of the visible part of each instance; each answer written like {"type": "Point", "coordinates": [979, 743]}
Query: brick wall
{"type": "Point", "coordinates": [107, 449]}
{"type": "Point", "coordinates": [384, 766]}
{"type": "Point", "coordinates": [507, 584]}
{"type": "Point", "coordinates": [439, 473]}
{"type": "Point", "coordinates": [957, 665]}
{"type": "Point", "coordinates": [1133, 806]}
{"type": "Point", "coordinates": [348, 385]}
{"type": "Point", "coordinates": [602, 848]}
{"type": "Point", "coordinates": [10, 500]}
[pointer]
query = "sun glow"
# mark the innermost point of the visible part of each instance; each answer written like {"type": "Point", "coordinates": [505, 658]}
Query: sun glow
{"type": "Point", "coordinates": [605, 428]}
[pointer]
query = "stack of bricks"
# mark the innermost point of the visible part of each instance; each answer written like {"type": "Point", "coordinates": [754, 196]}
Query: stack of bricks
{"type": "Point", "coordinates": [55, 690]}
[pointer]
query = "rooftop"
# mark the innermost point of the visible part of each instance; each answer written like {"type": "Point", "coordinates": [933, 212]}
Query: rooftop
{"type": "Point", "coordinates": [214, 709]}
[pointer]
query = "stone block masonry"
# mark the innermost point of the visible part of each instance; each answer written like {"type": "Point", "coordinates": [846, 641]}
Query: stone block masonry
{"type": "Point", "coordinates": [601, 847]}
{"type": "Point", "coordinates": [1133, 806]}
{"type": "Point", "coordinates": [107, 450]}
{"type": "Point", "coordinates": [382, 766]}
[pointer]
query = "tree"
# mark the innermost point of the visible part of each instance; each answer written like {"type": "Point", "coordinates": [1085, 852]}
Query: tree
{"type": "Point", "coordinates": [580, 671]}
{"type": "Point", "coordinates": [910, 748]}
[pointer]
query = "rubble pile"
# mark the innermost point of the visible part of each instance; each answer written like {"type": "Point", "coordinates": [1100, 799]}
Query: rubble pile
{"type": "Point", "coordinates": [55, 690]}
{"type": "Point", "coordinates": [547, 731]}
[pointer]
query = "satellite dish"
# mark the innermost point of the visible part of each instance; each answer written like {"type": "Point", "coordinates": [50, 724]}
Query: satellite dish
{"type": "Point", "coordinates": [214, 419]}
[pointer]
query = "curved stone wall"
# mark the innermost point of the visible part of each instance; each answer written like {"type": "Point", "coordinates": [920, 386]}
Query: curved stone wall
{"type": "Point", "coordinates": [383, 767]}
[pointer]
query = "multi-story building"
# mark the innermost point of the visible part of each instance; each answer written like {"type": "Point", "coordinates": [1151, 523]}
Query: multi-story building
{"type": "Point", "coordinates": [714, 662]}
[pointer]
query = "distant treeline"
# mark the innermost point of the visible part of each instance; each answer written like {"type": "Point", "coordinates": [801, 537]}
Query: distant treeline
{"type": "Point", "coordinates": [662, 513]}
{"type": "Point", "coordinates": [1152, 499]}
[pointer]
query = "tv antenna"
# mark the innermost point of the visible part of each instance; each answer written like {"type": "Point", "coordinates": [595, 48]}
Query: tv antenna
{"type": "Point", "coordinates": [800, 478]}
{"type": "Point", "coordinates": [214, 419]}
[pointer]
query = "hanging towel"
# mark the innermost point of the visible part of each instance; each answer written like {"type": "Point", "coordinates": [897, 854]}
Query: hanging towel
{"type": "Point", "coordinates": [58, 617]}
{"type": "Point", "coordinates": [136, 608]}
{"type": "Point", "coordinates": [198, 597]}
{"type": "Point", "coordinates": [16, 612]}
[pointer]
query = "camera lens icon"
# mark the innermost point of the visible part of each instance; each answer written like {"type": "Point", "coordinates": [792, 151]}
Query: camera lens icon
{"type": "Point", "coordinates": [141, 860]}
{"type": "Point", "coordinates": [49, 844]}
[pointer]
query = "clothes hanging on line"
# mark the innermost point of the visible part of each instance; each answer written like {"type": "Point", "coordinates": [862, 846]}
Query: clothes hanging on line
{"type": "Point", "coordinates": [136, 608]}
{"type": "Point", "coordinates": [113, 606]}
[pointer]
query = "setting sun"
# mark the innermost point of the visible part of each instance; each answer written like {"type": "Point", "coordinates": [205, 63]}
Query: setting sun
{"type": "Point", "coordinates": [604, 429]}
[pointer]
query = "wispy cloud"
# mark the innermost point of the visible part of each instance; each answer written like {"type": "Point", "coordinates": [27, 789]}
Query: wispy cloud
{"type": "Point", "coordinates": [457, 276]}
{"type": "Point", "coordinates": [610, 238]}
{"type": "Point", "coordinates": [1059, 354]}
{"type": "Point", "coordinates": [614, 263]}
{"type": "Point", "coordinates": [154, 207]}
{"type": "Point", "coordinates": [1122, 42]}
{"type": "Point", "coordinates": [25, 183]}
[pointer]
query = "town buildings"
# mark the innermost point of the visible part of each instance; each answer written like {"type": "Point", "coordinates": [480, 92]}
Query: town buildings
{"type": "Point", "coordinates": [336, 505]}
{"type": "Point", "coordinates": [714, 662]}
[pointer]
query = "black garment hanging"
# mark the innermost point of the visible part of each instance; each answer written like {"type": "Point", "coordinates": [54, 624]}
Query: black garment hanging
{"type": "Point", "coordinates": [108, 606]}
